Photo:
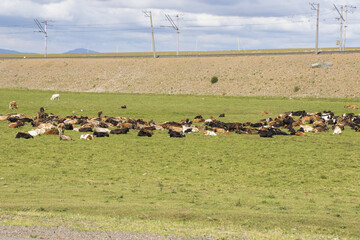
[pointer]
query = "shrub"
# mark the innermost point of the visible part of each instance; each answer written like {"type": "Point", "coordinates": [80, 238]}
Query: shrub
{"type": "Point", "coordinates": [214, 79]}
{"type": "Point", "coordinates": [296, 88]}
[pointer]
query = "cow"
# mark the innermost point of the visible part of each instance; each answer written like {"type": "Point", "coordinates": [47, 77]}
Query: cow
{"type": "Point", "coordinates": [145, 133]}
{"type": "Point", "coordinates": [64, 137]}
{"type": "Point", "coordinates": [23, 135]}
{"type": "Point", "coordinates": [351, 106]}
{"type": "Point", "coordinates": [55, 96]}
{"type": "Point", "coordinates": [13, 105]}
{"type": "Point", "coordinates": [51, 132]}
{"type": "Point", "coordinates": [87, 137]}
{"type": "Point", "coordinates": [175, 134]}
{"type": "Point", "coordinates": [101, 134]}
{"type": "Point", "coordinates": [120, 131]}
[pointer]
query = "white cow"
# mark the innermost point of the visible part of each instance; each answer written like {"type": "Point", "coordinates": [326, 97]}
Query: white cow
{"type": "Point", "coordinates": [55, 96]}
{"type": "Point", "coordinates": [337, 130]}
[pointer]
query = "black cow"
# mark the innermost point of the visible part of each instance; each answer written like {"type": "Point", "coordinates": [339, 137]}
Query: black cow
{"type": "Point", "coordinates": [267, 133]}
{"type": "Point", "coordinates": [23, 135]}
{"type": "Point", "coordinates": [120, 131]}
{"type": "Point", "coordinates": [85, 129]}
{"type": "Point", "coordinates": [144, 133]}
{"type": "Point", "coordinates": [101, 134]}
{"type": "Point", "coordinates": [176, 134]}
{"type": "Point", "coordinates": [69, 127]}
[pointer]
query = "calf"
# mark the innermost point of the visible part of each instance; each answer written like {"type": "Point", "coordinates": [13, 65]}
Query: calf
{"type": "Point", "coordinates": [17, 124]}
{"type": "Point", "coordinates": [351, 106]}
{"type": "Point", "coordinates": [337, 130]}
{"type": "Point", "coordinates": [301, 134]}
{"type": "Point", "coordinates": [87, 137]}
{"type": "Point", "coordinates": [209, 133]}
{"type": "Point", "coordinates": [55, 96]}
{"type": "Point", "coordinates": [13, 105]}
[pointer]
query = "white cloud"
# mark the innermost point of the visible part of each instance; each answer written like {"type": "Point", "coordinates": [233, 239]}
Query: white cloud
{"type": "Point", "coordinates": [105, 24]}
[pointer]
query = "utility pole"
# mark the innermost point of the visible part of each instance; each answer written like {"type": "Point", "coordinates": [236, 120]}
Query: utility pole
{"type": "Point", "coordinates": [45, 23]}
{"type": "Point", "coordinates": [345, 26]}
{"type": "Point", "coordinates": [196, 47]}
{"type": "Point", "coordinates": [341, 19]}
{"type": "Point", "coordinates": [176, 27]}
{"type": "Point", "coordinates": [178, 33]}
{"type": "Point", "coordinates": [148, 14]}
{"type": "Point", "coordinates": [341, 27]}
{"type": "Point", "coordinates": [44, 31]}
{"type": "Point", "coordinates": [317, 25]}
{"type": "Point", "coordinates": [344, 30]}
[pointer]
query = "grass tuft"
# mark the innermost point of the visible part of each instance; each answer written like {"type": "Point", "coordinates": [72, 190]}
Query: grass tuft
{"type": "Point", "coordinates": [214, 79]}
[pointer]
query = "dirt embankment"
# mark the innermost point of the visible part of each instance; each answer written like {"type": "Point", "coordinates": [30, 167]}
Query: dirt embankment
{"type": "Point", "coordinates": [290, 75]}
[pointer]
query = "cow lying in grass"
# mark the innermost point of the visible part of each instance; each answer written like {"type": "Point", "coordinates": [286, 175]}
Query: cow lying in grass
{"type": "Point", "coordinates": [101, 134]}
{"type": "Point", "coordinates": [145, 133]}
{"type": "Point", "coordinates": [23, 135]}
{"type": "Point", "coordinates": [87, 137]}
{"type": "Point", "coordinates": [174, 134]}
{"type": "Point", "coordinates": [49, 124]}
{"type": "Point", "coordinates": [13, 105]}
{"type": "Point", "coordinates": [120, 131]}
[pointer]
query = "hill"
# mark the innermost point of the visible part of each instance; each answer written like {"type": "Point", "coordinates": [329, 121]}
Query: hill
{"type": "Point", "coordinates": [7, 51]}
{"type": "Point", "coordinates": [275, 75]}
{"type": "Point", "coordinates": [81, 50]}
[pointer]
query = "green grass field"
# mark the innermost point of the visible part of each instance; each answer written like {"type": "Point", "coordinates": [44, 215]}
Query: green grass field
{"type": "Point", "coordinates": [233, 186]}
{"type": "Point", "coordinates": [182, 53]}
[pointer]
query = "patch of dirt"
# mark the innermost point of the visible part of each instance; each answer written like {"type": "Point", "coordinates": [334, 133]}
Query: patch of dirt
{"type": "Point", "coordinates": [275, 75]}
{"type": "Point", "coordinates": [61, 233]}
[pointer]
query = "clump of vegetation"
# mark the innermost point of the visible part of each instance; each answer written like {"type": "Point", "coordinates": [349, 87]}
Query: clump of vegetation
{"type": "Point", "coordinates": [296, 88]}
{"type": "Point", "coordinates": [214, 79]}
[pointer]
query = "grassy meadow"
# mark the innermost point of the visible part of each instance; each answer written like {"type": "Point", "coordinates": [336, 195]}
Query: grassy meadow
{"type": "Point", "coordinates": [225, 187]}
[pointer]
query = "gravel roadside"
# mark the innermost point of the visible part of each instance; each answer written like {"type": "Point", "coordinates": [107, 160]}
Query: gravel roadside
{"type": "Point", "coordinates": [60, 233]}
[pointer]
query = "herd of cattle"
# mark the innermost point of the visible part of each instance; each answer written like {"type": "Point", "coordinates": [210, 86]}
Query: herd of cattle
{"type": "Point", "coordinates": [296, 123]}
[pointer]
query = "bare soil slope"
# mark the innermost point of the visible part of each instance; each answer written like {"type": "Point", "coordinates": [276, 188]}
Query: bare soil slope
{"type": "Point", "coordinates": [289, 75]}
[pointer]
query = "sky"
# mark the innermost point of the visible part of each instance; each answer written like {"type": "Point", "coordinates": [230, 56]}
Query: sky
{"type": "Point", "coordinates": [204, 25]}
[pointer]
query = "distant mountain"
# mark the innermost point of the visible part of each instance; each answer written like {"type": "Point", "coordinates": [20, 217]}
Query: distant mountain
{"type": "Point", "coordinates": [81, 50]}
{"type": "Point", "coordinates": [6, 51]}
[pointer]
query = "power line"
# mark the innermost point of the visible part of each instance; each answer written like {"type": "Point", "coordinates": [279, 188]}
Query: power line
{"type": "Point", "coordinates": [44, 31]}
{"type": "Point", "coordinates": [176, 27]}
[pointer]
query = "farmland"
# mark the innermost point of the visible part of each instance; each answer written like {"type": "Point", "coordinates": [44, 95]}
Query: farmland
{"type": "Point", "coordinates": [225, 186]}
{"type": "Point", "coordinates": [289, 75]}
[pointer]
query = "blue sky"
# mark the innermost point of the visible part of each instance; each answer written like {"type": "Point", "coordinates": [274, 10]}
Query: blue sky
{"type": "Point", "coordinates": [119, 25]}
